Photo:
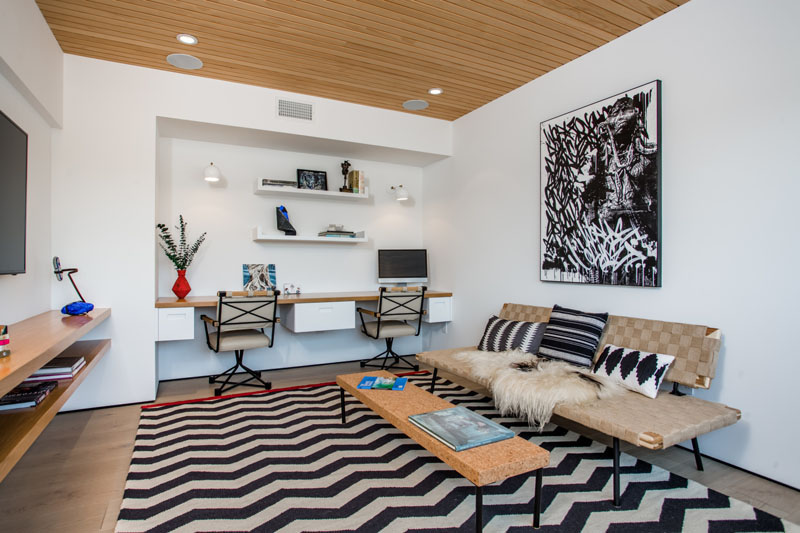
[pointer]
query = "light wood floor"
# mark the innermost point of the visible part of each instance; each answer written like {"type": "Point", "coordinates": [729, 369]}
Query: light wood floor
{"type": "Point", "coordinates": [72, 478]}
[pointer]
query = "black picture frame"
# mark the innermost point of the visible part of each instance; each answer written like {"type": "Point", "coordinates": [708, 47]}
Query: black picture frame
{"type": "Point", "coordinates": [315, 180]}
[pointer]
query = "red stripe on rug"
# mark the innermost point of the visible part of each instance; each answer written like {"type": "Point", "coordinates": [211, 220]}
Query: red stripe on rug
{"type": "Point", "coordinates": [309, 386]}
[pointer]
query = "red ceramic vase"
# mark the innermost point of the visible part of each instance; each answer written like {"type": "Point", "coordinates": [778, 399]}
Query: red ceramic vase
{"type": "Point", "coordinates": [181, 287]}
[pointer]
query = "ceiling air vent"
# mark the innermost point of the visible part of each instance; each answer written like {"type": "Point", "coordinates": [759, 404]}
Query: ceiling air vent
{"type": "Point", "coordinates": [290, 109]}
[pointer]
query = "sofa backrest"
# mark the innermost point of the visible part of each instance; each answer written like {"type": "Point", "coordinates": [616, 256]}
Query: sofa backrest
{"type": "Point", "coordinates": [695, 348]}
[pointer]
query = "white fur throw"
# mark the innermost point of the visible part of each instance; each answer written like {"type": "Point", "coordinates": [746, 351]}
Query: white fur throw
{"type": "Point", "coordinates": [535, 393]}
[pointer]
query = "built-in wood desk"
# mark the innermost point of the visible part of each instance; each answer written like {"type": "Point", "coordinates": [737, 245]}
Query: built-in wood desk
{"type": "Point", "coordinates": [312, 297]}
{"type": "Point", "coordinates": [300, 313]}
{"type": "Point", "coordinates": [34, 342]}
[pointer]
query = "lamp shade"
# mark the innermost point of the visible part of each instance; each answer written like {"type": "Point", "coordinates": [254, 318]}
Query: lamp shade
{"type": "Point", "coordinates": [211, 173]}
{"type": "Point", "coordinates": [400, 193]}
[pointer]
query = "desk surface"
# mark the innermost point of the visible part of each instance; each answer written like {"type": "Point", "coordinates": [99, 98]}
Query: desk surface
{"type": "Point", "coordinates": [312, 297]}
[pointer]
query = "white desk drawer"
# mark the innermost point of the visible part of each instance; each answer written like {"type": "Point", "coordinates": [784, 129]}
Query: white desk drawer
{"type": "Point", "coordinates": [175, 323]}
{"type": "Point", "coordinates": [439, 309]}
{"type": "Point", "coordinates": [323, 316]}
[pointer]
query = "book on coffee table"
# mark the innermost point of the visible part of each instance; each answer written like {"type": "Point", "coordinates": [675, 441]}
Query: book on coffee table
{"type": "Point", "coordinates": [459, 428]}
{"type": "Point", "coordinates": [375, 382]}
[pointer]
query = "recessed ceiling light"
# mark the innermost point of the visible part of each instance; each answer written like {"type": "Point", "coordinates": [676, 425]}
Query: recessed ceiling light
{"type": "Point", "coordinates": [184, 61]}
{"type": "Point", "coordinates": [435, 90]}
{"type": "Point", "coordinates": [415, 105]}
{"type": "Point", "coordinates": [185, 38]}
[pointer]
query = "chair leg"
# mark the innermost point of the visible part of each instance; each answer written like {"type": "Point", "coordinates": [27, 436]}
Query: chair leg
{"type": "Point", "coordinates": [616, 472]}
{"type": "Point", "coordinates": [698, 459]}
{"type": "Point", "coordinates": [433, 380]}
{"type": "Point", "coordinates": [238, 368]}
{"type": "Point", "coordinates": [397, 359]}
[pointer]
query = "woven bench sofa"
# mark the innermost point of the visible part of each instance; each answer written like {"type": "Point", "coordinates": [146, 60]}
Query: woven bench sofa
{"type": "Point", "coordinates": [655, 424]}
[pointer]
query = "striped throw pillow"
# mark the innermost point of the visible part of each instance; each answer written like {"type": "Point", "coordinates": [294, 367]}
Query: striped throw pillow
{"type": "Point", "coordinates": [572, 335]}
{"type": "Point", "coordinates": [501, 335]}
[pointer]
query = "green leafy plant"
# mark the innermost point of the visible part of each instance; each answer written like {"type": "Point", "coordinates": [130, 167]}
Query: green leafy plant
{"type": "Point", "coordinates": [181, 254]}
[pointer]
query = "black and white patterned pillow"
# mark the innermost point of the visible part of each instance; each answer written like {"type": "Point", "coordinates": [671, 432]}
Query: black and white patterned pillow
{"type": "Point", "coordinates": [641, 372]}
{"type": "Point", "coordinates": [572, 335]}
{"type": "Point", "coordinates": [501, 335]}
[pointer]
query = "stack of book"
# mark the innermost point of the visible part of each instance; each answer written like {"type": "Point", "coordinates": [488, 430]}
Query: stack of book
{"type": "Point", "coordinates": [27, 395]}
{"type": "Point", "coordinates": [351, 234]}
{"type": "Point", "coordinates": [58, 368]}
{"type": "Point", "coordinates": [459, 428]}
{"type": "Point", "coordinates": [356, 181]}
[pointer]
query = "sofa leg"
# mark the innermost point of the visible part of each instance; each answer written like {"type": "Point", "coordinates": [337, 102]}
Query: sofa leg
{"type": "Point", "coordinates": [616, 472]}
{"type": "Point", "coordinates": [433, 380]}
{"type": "Point", "coordinates": [698, 460]}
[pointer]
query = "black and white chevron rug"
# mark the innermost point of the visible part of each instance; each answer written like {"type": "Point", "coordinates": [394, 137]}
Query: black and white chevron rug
{"type": "Point", "coordinates": [282, 461]}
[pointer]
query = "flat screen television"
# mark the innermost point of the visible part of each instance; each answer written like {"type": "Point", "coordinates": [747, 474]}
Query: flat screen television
{"type": "Point", "coordinates": [402, 266]}
{"type": "Point", "coordinates": [13, 192]}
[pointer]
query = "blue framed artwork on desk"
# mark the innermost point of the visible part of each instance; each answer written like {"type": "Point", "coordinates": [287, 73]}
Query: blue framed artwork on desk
{"type": "Point", "coordinates": [256, 277]}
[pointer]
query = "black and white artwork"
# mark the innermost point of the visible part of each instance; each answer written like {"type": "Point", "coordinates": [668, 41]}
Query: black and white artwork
{"type": "Point", "coordinates": [316, 180]}
{"type": "Point", "coordinates": [601, 201]}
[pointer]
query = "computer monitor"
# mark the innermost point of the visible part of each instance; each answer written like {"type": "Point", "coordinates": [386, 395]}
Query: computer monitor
{"type": "Point", "coordinates": [402, 266]}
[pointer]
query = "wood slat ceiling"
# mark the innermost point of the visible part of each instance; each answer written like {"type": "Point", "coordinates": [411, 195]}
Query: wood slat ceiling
{"type": "Point", "coordinates": [372, 52]}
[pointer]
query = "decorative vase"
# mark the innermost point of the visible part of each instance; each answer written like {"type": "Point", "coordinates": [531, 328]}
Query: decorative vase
{"type": "Point", "coordinates": [181, 287]}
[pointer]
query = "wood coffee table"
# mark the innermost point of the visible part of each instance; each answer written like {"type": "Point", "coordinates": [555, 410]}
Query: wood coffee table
{"type": "Point", "coordinates": [481, 465]}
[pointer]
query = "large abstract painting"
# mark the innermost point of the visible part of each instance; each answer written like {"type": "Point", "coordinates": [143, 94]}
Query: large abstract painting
{"type": "Point", "coordinates": [601, 184]}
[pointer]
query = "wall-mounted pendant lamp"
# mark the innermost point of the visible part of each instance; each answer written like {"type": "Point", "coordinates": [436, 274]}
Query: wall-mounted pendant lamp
{"type": "Point", "coordinates": [211, 173]}
{"type": "Point", "coordinates": [400, 193]}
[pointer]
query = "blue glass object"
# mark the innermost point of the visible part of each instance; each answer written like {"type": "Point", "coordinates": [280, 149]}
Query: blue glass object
{"type": "Point", "coordinates": [77, 308]}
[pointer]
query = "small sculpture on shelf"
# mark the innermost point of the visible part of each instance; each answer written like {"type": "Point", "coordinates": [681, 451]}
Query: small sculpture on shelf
{"type": "Point", "coordinates": [345, 169]}
{"type": "Point", "coordinates": [180, 254]}
{"type": "Point", "coordinates": [283, 221]}
{"type": "Point", "coordinates": [78, 307]}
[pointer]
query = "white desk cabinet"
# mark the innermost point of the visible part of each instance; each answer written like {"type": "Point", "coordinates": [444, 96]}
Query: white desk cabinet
{"type": "Point", "coordinates": [320, 316]}
{"type": "Point", "coordinates": [438, 310]}
{"type": "Point", "coordinates": [175, 323]}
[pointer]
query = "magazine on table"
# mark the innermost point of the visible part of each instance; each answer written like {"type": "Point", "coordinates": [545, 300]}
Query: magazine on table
{"type": "Point", "coordinates": [375, 382]}
{"type": "Point", "coordinates": [459, 428]}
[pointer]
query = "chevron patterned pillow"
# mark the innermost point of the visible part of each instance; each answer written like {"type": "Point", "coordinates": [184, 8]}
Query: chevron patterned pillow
{"type": "Point", "coordinates": [501, 335]}
{"type": "Point", "coordinates": [641, 372]}
{"type": "Point", "coordinates": [572, 335]}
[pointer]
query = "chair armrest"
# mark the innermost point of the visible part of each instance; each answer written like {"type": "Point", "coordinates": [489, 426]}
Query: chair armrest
{"type": "Point", "coordinates": [209, 320]}
{"type": "Point", "coordinates": [369, 312]}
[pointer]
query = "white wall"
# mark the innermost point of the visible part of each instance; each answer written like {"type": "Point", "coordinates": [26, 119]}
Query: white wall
{"type": "Point", "coordinates": [730, 187]}
{"type": "Point", "coordinates": [30, 57]}
{"type": "Point", "coordinates": [229, 212]}
{"type": "Point", "coordinates": [30, 95]}
{"type": "Point", "coordinates": [28, 294]}
{"type": "Point", "coordinates": [105, 194]}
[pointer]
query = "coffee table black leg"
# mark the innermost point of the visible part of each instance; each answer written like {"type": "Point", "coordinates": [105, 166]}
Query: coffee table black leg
{"type": "Point", "coordinates": [537, 499]}
{"type": "Point", "coordinates": [478, 508]}
{"type": "Point", "coordinates": [341, 398]}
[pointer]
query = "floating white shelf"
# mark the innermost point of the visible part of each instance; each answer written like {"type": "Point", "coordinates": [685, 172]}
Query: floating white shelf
{"type": "Point", "coordinates": [259, 236]}
{"type": "Point", "coordinates": [307, 193]}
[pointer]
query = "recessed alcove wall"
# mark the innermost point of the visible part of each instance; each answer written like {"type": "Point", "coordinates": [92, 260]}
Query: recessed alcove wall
{"type": "Point", "coordinates": [228, 212]}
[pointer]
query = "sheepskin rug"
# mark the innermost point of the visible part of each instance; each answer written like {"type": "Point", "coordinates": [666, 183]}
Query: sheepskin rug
{"type": "Point", "coordinates": [528, 386]}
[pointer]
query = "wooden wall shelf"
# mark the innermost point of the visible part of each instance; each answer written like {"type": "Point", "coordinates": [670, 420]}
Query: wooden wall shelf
{"type": "Point", "coordinates": [34, 342]}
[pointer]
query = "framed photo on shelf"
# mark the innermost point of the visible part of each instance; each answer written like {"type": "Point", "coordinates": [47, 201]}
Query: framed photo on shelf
{"type": "Point", "coordinates": [316, 180]}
